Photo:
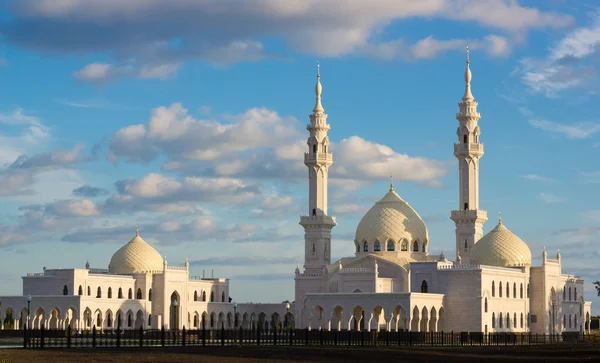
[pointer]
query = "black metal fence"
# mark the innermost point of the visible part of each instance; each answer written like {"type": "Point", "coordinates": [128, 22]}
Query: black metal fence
{"type": "Point", "coordinates": [117, 338]}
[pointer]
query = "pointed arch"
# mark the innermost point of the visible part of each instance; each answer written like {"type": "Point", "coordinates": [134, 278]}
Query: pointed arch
{"type": "Point", "coordinates": [493, 289]}
{"type": "Point", "coordinates": [365, 246]}
{"type": "Point", "coordinates": [120, 293]}
{"type": "Point", "coordinates": [89, 291]}
{"type": "Point", "coordinates": [424, 287]}
{"type": "Point", "coordinates": [377, 246]}
{"type": "Point", "coordinates": [391, 246]}
{"type": "Point", "coordinates": [65, 290]}
{"type": "Point", "coordinates": [138, 295]}
{"type": "Point", "coordinates": [416, 246]}
{"type": "Point", "coordinates": [109, 293]}
{"type": "Point", "coordinates": [130, 294]}
{"type": "Point", "coordinates": [99, 292]}
{"type": "Point", "coordinates": [195, 295]}
{"type": "Point", "coordinates": [80, 291]}
{"type": "Point", "coordinates": [149, 294]}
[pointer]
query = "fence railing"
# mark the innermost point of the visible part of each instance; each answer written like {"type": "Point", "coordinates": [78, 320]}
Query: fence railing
{"type": "Point", "coordinates": [97, 338]}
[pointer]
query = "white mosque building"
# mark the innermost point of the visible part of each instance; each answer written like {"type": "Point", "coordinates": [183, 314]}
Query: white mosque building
{"type": "Point", "coordinates": [391, 282]}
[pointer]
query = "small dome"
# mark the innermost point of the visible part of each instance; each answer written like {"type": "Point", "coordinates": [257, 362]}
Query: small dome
{"type": "Point", "coordinates": [135, 256]}
{"type": "Point", "coordinates": [392, 218]}
{"type": "Point", "coordinates": [501, 247]}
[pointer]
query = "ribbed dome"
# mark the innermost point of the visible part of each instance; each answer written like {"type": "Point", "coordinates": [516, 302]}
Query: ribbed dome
{"type": "Point", "coordinates": [501, 247]}
{"type": "Point", "coordinates": [135, 256]}
{"type": "Point", "coordinates": [391, 218]}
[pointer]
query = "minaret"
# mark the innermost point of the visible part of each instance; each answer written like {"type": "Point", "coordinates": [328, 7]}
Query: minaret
{"type": "Point", "coordinates": [317, 224]}
{"type": "Point", "coordinates": [468, 218]}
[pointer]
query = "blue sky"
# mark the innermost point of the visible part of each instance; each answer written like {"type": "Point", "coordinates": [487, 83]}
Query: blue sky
{"type": "Point", "coordinates": [188, 119]}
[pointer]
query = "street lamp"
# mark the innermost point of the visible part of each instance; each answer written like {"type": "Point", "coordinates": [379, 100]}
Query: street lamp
{"type": "Point", "coordinates": [287, 311]}
{"type": "Point", "coordinates": [234, 315]}
{"type": "Point", "coordinates": [28, 312]}
{"type": "Point", "coordinates": [175, 314]}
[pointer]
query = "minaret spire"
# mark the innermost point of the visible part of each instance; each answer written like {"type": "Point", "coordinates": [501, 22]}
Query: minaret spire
{"type": "Point", "coordinates": [468, 150]}
{"type": "Point", "coordinates": [391, 183]}
{"type": "Point", "coordinates": [318, 90]}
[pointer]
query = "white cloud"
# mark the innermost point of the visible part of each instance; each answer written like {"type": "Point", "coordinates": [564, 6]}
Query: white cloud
{"type": "Point", "coordinates": [540, 178]}
{"type": "Point", "coordinates": [550, 198]}
{"type": "Point", "coordinates": [104, 72]}
{"type": "Point", "coordinates": [161, 71]}
{"type": "Point", "coordinates": [578, 131]}
{"type": "Point", "coordinates": [74, 208]}
{"type": "Point", "coordinates": [570, 62]}
{"type": "Point", "coordinates": [223, 32]}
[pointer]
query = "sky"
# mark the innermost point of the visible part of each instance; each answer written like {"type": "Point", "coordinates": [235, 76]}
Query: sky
{"type": "Point", "coordinates": [188, 119]}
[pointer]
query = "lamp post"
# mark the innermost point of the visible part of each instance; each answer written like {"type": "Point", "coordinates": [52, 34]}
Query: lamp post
{"type": "Point", "coordinates": [175, 314]}
{"type": "Point", "coordinates": [234, 315]}
{"type": "Point", "coordinates": [28, 311]}
{"type": "Point", "coordinates": [287, 311]}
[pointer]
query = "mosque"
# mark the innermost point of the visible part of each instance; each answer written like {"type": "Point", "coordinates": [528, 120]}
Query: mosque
{"type": "Point", "coordinates": [391, 282]}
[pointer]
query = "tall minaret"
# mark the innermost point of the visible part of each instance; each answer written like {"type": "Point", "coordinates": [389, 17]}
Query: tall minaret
{"type": "Point", "coordinates": [317, 225]}
{"type": "Point", "coordinates": [469, 218]}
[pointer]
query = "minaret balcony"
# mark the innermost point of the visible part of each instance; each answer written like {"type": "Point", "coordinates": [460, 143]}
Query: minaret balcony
{"type": "Point", "coordinates": [468, 215]}
{"type": "Point", "coordinates": [307, 221]}
{"type": "Point", "coordinates": [471, 148]}
{"type": "Point", "coordinates": [318, 158]}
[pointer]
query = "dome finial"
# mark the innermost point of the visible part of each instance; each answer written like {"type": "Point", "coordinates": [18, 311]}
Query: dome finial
{"type": "Point", "coordinates": [391, 183]}
{"type": "Point", "coordinates": [468, 96]}
{"type": "Point", "coordinates": [137, 233]}
{"type": "Point", "coordinates": [499, 217]}
{"type": "Point", "coordinates": [318, 90]}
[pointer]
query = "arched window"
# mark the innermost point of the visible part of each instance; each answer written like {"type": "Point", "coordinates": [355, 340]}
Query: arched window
{"type": "Point", "coordinates": [324, 148]}
{"type": "Point", "coordinates": [424, 246]}
{"type": "Point", "coordinates": [507, 289]}
{"type": "Point", "coordinates": [521, 320]}
{"type": "Point", "coordinates": [212, 296]}
{"type": "Point", "coordinates": [465, 138]}
{"type": "Point", "coordinates": [65, 290]}
{"type": "Point", "coordinates": [89, 291]}
{"type": "Point", "coordinates": [507, 321]}
{"type": "Point", "coordinates": [416, 246]}
{"type": "Point", "coordinates": [223, 296]}
{"type": "Point", "coordinates": [500, 290]}
{"type": "Point", "coordinates": [195, 295]}
{"type": "Point", "coordinates": [357, 247]}
{"type": "Point", "coordinates": [99, 320]}
{"type": "Point", "coordinates": [404, 245]}
{"type": "Point", "coordinates": [149, 320]}
{"type": "Point", "coordinates": [466, 205]}
{"type": "Point", "coordinates": [521, 293]}
{"type": "Point", "coordinates": [80, 292]}
{"type": "Point", "coordinates": [575, 293]}
{"type": "Point", "coordinates": [390, 245]}
{"type": "Point", "coordinates": [108, 321]}
{"type": "Point", "coordinates": [494, 320]}
{"type": "Point", "coordinates": [466, 245]}
{"type": "Point", "coordinates": [130, 294]}
{"type": "Point", "coordinates": [565, 293]}
{"type": "Point", "coordinates": [109, 294]}
{"type": "Point", "coordinates": [424, 288]}
{"type": "Point", "coordinates": [150, 295]}
{"type": "Point", "coordinates": [365, 246]}
{"type": "Point", "coordinates": [99, 292]}
{"type": "Point", "coordinates": [485, 305]}
{"type": "Point", "coordinates": [476, 138]}
{"type": "Point", "coordinates": [314, 148]}
{"type": "Point", "coordinates": [515, 320]}
{"type": "Point", "coordinates": [570, 294]}
{"type": "Point", "coordinates": [564, 321]}
{"type": "Point", "coordinates": [493, 289]}
{"type": "Point", "coordinates": [500, 320]}
{"type": "Point", "coordinates": [203, 295]}
{"type": "Point", "coordinates": [314, 213]}
{"type": "Point", "coordinates": [528, 290]}
{"type": "Point", "coordinates": [575, 323]}
{"type": "Point", "coordinates": [377, 246]}
{"type": "Point", "coordinates": [139, 294]}
{"type": "Point", "coordinates": [120, 293]}
{"type": "Point", "coordinates": [129, 321]}
{"type": "Point", "coordinates": [514, 290]}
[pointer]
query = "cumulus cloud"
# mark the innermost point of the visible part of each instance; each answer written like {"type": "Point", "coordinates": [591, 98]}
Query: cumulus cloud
{"type": "Point", "coordinates": [223, 32]}
{"type": "Point", "coordinates": [550, 198]}
{"type": "Point", "coordinates": [74, 208]}
{"type": "Point", "coordinates": [59, 158]}
{"type": "Point", "coordinates": [104, 72]}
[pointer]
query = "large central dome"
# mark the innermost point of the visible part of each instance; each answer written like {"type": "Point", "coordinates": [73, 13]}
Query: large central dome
{"type": "Point", "coordinates": [135, 256]}
{"type": "Point", "coordinates": [391, 218]}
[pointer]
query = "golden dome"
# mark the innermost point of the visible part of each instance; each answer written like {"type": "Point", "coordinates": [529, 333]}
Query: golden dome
{"type": "Point", "coordinates": [135, 256]}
